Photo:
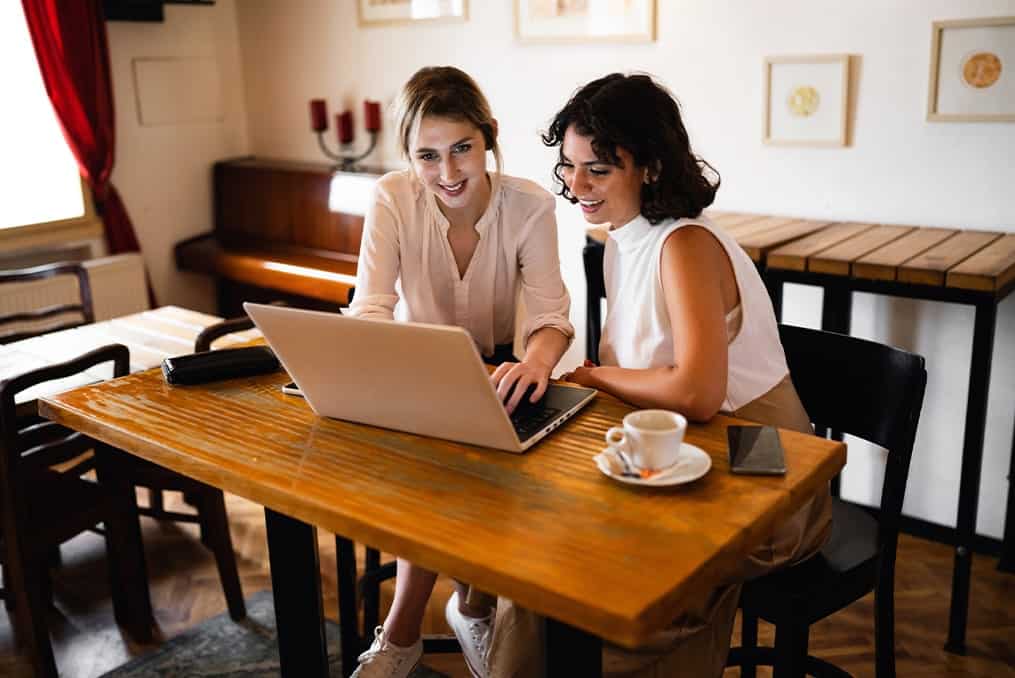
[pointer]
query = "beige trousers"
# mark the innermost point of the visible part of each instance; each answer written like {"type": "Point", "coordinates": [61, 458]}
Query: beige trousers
{"type": "Point", "coordinates": [697, 642]}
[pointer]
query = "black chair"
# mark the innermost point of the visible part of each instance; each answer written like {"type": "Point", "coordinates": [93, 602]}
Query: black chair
{"type": "Point", "coordinates": [42, 508]}
{"type": "Point", "coordinates": [209, 502]}
{"type": "Point", "coordinates": [873, 392]}
{"type": "Point", "coordinates": [36, 318]}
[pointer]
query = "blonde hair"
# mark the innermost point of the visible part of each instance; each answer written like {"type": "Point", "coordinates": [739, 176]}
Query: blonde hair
{"type": "Point", "coordinates": [446, 92]}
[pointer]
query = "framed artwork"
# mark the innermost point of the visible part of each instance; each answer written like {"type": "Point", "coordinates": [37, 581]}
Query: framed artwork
{"type": "Point", "coordinates": [585, 20]}
{"type": "Point", "coordinates": [972, 71]}
{"type": "Point", "coordinates": [383, 12]}
{"type": "Point", "coordinates": [806, 100]}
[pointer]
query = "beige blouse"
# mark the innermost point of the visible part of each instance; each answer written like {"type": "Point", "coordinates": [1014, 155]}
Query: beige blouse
{"type": "Point", "coordinates": [407, 270]}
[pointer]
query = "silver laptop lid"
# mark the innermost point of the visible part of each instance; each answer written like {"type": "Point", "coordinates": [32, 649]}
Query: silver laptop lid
{"type": "Point", "coordinates": [425, 379]}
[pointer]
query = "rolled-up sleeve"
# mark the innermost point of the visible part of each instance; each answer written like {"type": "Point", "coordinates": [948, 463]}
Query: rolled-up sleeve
{"type": "Point", "coordinates": [379, 262]}
{"type": "Point", "coordinates": [547, 302]}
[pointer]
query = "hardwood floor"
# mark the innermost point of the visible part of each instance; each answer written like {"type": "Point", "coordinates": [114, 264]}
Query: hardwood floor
{"type": "Point", "coordinates": [185, 590]}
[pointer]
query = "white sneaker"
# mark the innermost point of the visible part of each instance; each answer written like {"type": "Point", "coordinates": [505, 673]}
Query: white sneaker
{"type": "Point", "coordinates": [473, 635]}
{"type": "Point", "coordinates": [386, 660]}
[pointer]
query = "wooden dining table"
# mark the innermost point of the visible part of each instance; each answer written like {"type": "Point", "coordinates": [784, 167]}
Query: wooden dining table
{"type": "Point", "coordinates": [603, 561]}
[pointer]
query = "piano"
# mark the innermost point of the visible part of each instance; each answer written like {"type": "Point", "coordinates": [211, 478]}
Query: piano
{"type": "Point", "coordinates": [275, 237]}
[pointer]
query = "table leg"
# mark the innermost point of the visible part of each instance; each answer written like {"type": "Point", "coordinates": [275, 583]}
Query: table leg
{"type": "Point", "coordinates": [1007, 561]}
{"type": "Point", "coordinates": [969, 482]}
{"type": "Point", "coordinates": [774, 285]}
{"type": "Point", "coordinates": [572, 652]}
{"type": "Point", "coordinates": [836, 309]}
{"type": "Point", "coordinates": [296, 586]}
{"type": "Point", "coordinates": [352, 641]}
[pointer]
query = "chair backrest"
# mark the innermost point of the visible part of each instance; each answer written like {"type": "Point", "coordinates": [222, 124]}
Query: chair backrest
{"type": "Point", "coordinates": [83, 306]}
{"type": "Point", "coordinates": [866, 389]}
{"type": "Point", "coordinates": [209, 334]}
{"type": "Point", "coordinates": [30, 445]}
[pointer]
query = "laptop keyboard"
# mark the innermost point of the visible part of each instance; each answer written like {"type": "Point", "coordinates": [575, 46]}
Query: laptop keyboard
{"type": "Point", "coordinates": [530, 419]}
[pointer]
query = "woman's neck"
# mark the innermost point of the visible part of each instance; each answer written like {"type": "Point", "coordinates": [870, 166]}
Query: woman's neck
{"type": "Point", "coordinates": [614, 227]}
{"type": "Point", "coordinates": [468, 215]}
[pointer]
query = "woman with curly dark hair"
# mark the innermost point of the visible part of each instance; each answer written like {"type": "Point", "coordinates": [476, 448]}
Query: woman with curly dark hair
{"type": "Point", "coordinates": [689, 328]}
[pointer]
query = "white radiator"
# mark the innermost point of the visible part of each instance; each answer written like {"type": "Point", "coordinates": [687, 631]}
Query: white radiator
{"type": "Point", "coordinates": [117, 282]}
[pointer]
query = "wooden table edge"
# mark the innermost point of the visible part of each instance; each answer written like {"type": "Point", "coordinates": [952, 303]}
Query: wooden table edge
{"type": "Point", "coordinates": [629, 632]}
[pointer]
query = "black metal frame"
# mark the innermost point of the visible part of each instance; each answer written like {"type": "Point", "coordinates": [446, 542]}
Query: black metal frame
{"type": "Point", "coordinates": [299, 611]}
{"type": "Point", "coordinates": [835, 316]}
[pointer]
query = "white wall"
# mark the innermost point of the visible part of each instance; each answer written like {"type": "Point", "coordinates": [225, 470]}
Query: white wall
{"type": "Point", "coordinates": [899, 168]}
{"type": "Point", "coordinates": [163, 171]}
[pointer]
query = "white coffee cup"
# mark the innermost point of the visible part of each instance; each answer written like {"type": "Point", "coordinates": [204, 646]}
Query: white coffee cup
{"type": "Point", "coordinates": [651, 439]}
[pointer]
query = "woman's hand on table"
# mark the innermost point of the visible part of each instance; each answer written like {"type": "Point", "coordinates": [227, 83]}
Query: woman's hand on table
{"type": "Point", "coordinates": [581, 375]}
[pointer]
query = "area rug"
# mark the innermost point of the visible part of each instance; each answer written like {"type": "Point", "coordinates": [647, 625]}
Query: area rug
{"type": "Point", "coordinates": [221, 647]}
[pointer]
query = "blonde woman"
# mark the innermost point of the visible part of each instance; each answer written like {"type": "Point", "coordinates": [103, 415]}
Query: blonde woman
{"type": "Point", "coordinates": [449, 242]}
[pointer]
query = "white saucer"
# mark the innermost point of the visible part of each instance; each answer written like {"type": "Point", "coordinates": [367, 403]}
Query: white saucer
{"type": "Point", "coordinates": [694, 463]}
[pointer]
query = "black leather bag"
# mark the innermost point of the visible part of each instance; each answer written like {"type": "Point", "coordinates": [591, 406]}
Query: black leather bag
{"type": "Point", "coordinates": [228, 363]}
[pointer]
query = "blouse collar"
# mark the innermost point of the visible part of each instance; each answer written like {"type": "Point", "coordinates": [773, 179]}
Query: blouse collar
{"type": "Point", "coordinates": [488, 217]}
{"type": "Point", "coordinates": [631, 234]}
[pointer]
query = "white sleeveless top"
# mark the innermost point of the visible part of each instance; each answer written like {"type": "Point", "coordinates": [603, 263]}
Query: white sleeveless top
{"type": "Point", "coordinates": [638, 335]}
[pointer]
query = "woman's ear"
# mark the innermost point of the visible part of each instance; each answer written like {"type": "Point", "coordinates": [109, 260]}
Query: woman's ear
{"type": "Point", "coordinates": [494, 127]}
{"type": "Point", "coordinates": [652, 173]}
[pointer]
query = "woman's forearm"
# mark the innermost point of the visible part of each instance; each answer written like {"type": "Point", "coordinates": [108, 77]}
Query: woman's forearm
{"type": "Point", "coordinates": [659, 387]}
{"type": "Point", "coordinates": [546, 345]}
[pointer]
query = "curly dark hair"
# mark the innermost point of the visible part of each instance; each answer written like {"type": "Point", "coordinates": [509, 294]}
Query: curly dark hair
{"type": "Point", "coordinates": [638, 114]}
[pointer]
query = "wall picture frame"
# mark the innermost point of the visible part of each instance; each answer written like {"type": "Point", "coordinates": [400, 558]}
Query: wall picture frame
{"type": "Point", "coordinates": [806, 100]}
{"type": "Point", "coordinates": [972, 70]}
{"type": "Point", "coordinates": [389, 12]}
{"type": "Point", "coordinates": [564, 21]}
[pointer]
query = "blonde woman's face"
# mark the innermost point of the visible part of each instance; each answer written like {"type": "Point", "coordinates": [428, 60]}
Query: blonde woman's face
{"type": "Point", "coordinates": [608, 193]}
{"type": "Point", "coordinates": [449, 157]}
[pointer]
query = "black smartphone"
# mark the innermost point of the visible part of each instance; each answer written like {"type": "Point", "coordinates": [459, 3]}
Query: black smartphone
{"type": "Point", "coordinates": [755, 449]}
{"type": "Point", "coordinates": [292, 389]}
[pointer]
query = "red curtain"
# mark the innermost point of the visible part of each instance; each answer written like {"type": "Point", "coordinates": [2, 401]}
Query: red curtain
{"type": "Point", "coordinates": [70, 45]}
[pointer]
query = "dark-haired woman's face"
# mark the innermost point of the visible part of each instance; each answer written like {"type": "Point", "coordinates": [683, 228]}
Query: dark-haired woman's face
{"type": "Point", "coordinates": [608, 193]}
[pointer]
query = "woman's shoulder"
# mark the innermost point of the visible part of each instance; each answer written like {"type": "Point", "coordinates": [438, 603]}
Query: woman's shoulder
{"type": "Point", "coordinates": [395, 183]}
{"type": "Point", "coordinates": [398, 190]}
{"type": "Point", "coordinates": [517, 190]}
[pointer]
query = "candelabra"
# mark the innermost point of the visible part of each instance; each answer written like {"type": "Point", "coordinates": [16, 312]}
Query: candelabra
{"type": "Point", "coordinates": [345, 158]}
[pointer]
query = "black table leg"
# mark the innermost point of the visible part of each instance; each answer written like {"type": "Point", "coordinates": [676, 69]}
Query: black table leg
{"type": "Point", "coordinates": [836, 309]}
{"type": "Point", "coordinates": [972, 463]}
{"type": "Point", "coordinates": [774, 284]}
{"type": "Point", "coordinates": [572, 652]}
{"type": "Point", "coordinates": [348, 618]}
{"type": "Point", "coordinates": [296, 586]}
{"type": "Point", "coordinates": [1007, 561]}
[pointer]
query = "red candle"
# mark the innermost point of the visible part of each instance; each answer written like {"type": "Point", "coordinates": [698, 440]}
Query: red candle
{"type": "Point", "coordinates": [318, 115]}
{"type": "Point", "coordinates": [372, 115]}
{"type": "Point", "coordinates": [343, 123]}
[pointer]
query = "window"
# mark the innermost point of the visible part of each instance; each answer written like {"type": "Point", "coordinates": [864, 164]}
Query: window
{"type": "Point", "coordinates": [38, 174]}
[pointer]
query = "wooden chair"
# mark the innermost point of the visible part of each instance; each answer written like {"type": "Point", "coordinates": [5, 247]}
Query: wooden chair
{"type": "Point", "coordinates": [874, 392]}
{"type": "Point", "coordinates": [83, 306]}
{"type": "Point", "coordinates": [209, 502]}
{"type": "Point", "coordinates": [43, 508]}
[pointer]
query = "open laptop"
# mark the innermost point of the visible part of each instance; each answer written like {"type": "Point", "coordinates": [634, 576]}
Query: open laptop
{"type": "Point", "coordinates": [414, 377]}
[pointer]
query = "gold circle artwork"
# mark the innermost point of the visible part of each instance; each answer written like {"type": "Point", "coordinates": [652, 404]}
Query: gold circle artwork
{"type": "Point", "coordinates": [981, 69]}
{"type": "Point", "coordinates": [803, 101]}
